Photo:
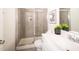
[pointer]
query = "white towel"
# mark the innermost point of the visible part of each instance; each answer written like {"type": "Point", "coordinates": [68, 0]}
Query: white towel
{"type": "Point", "coordinates": [74, 36]}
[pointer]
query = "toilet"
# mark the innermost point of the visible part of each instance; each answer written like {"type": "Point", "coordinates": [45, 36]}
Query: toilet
{"type": "Point", "coordinates": [38, 44]}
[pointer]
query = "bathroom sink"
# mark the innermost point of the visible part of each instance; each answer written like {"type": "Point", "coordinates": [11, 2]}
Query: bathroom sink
{"type": "Point", "coordinates": [61, 42]}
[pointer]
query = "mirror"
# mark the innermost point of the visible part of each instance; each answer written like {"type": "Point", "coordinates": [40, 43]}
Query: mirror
{"type": "Point", "coordinates": [70, 16]}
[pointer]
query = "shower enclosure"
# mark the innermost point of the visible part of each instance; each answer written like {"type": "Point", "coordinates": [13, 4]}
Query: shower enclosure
{"type": "Point", "coordinates": [32, 23]}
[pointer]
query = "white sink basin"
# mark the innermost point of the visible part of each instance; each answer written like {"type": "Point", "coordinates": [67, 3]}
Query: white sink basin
{"type": "Point", "coordinates": [61, 42]}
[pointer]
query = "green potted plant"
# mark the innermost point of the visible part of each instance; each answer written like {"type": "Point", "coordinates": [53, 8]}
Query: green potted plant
{"type": "Point", "coordinates": [65, 27]}
{"type": "Point", "coordinates": [58, 30]}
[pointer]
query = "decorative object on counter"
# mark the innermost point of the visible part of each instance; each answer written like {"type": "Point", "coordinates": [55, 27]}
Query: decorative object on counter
{"type": "Point", "coordinates": [57, 30]}
{"type": "Point", "coordinates": [52, 16]}
{"type": "Point", "coordinates": [65, 27]}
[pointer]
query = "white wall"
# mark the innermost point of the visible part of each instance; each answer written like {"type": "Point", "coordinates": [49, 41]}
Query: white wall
{"type": "Point", "coordinates": [74, 18]}
{"type": "Point", "coordinates": [9, 16]}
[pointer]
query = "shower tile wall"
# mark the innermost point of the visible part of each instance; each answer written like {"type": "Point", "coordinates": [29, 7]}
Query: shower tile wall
{"type": "Point", "coordinates": [29, 23]}
{"type": "Point", "coordinates": [40, 21]}
{"type": "Point", "coordinates": [33, 20]}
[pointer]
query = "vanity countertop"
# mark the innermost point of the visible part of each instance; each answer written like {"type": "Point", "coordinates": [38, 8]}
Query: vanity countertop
{"type": "Point", "coordinates": [60, 41]}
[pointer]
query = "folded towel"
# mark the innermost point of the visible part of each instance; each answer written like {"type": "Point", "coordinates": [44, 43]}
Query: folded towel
{"type": "Point", "coordinates": [74, 36]}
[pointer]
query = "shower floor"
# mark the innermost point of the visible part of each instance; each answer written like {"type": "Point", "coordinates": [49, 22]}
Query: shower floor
{"type": "Point", "coordinates": [27, 44]}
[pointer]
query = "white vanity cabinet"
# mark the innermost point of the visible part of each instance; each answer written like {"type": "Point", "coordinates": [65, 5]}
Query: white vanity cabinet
{"type": "Point", "coordinates": [53, 42]}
